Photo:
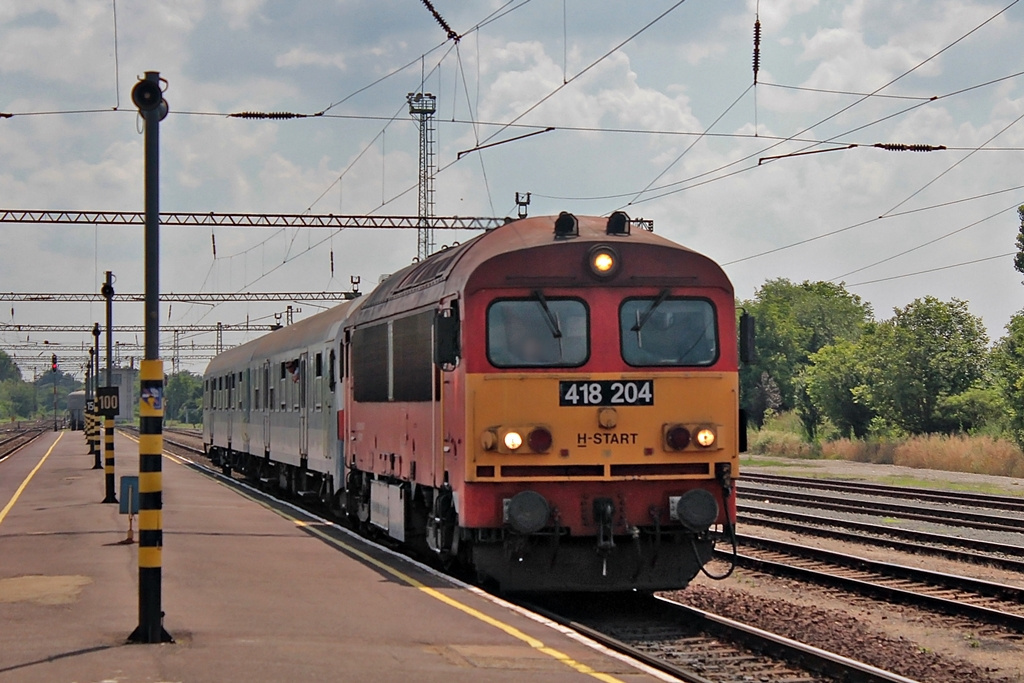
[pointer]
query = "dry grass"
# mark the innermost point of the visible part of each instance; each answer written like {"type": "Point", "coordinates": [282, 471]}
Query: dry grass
{"type": "Point", "coordinates": [780, 443]}
{"type": "Point", "coordinates": [873, 451]}
{"type": "Point", "coordinates": [974, 454]}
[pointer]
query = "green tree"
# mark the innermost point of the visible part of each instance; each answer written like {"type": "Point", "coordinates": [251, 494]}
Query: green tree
{"type": "Point", "coordinates": [8, 368]}
{"type": "Point", "coordinates": [928, 353]}
{"type": "Point", "coordinates": [16, 398]}
{"type": "Point", "coordinates": [1008, 366]}
{"type": "Point", "coordinates": [184, 391]}
{"type": "Point", "coordinates": [837, 379]}
{"type": "Point", "coordinates": [793, 322]}
{"type": "Point", "coordinates": [1018, 260]}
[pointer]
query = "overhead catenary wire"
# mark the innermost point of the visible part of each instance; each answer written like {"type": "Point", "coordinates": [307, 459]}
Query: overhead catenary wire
{"type": "Point", "coordinates": [998, 213]}
{"type": "Point", "coordinates": [931, 270]}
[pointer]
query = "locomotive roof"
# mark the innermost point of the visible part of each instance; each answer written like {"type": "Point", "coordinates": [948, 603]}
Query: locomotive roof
{"type": "Point", "coordinates": [444, 273]}
{"type": "Point", "coordinates": [449, 270]}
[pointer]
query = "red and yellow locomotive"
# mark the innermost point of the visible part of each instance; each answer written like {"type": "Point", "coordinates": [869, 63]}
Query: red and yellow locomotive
{"type": "Point", "coordinates": [553, 403]}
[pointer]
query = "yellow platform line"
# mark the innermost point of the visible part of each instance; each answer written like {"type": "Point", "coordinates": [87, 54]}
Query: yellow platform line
{"type": "Point", "coordinates": [17, 494]}
{"type": "Point", "coordinates": [408, 580]}
{"type": "Point", "coordinates": [452, 602]}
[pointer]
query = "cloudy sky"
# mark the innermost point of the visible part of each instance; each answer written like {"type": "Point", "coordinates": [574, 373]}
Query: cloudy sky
{"type": "Point", "coordinates": [653, 104]}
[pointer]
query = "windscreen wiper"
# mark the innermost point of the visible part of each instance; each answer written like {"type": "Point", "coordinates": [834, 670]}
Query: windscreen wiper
{"type": "Point", "coordinates": [552, 321]}
{"type": "Point", "coordinates": [662, 295]}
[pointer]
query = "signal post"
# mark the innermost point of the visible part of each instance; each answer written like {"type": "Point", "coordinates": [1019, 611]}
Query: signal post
{"type": "Point", "coordinates": [148, 97]}
{"type": "Point", "coordinates": [107, 397]}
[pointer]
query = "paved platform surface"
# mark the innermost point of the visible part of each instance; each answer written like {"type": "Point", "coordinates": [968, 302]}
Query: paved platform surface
{"type": "Point", "coordinates": [251, 591]}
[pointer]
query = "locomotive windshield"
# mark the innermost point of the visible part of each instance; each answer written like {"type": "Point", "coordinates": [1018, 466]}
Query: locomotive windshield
{"type": "Point", "coordinates": [668, 331]}
{"type": "Point", "coordinates": [537, 332]}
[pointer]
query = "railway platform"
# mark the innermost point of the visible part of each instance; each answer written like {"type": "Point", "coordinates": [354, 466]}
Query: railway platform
{"type": "Point", "coordinates": [253, 590]}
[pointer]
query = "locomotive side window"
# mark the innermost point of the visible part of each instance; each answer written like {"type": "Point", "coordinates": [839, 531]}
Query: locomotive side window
{"type": "Point", "coordinates": [537, 332]}
{"type": "Point", "coordinates": [668, 331]}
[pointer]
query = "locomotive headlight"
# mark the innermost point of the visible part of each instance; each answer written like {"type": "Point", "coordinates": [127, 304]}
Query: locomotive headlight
{"type": "Point", "coordinates": [603, 261]}
{"type": "Point", "coordinates": [705, 437]}
{"type": "Point", "coordinates": [513, 440]}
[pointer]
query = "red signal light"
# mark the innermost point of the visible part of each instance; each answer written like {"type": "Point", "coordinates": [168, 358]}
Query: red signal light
{"type": "Point", "coordinates": [53, 362]}
{"type": "Point", "coordinates": [677, 437]}
{"type": "Point", "coordinates": [539, 440]}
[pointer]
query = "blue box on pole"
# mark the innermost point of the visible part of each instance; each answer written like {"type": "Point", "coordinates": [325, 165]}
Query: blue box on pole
{"type": "Point", "coordinates": [129, 495]}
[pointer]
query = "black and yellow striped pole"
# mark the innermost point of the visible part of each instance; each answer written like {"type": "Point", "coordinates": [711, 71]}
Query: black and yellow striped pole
{"type": "Point", "coordinates": [107, 408]}
{"type": "Point", "coordinates": [148, 97]}
{"type": "Point", "coordinates": [108, 461]}
{"type": "Point", "coordinates": [90, 418]}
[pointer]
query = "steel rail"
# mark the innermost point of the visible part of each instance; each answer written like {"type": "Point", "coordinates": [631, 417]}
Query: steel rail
{"type": "Point", "coordinates": [945, 605]}
{"type": "Point", "coordinates": [906, 492]}
{"type": "Point", "coordinates": [774, 646]}
{"type": "Point", "coordinates": [890, 537]}
{"type": "Point", "coordinates": [871, 507]}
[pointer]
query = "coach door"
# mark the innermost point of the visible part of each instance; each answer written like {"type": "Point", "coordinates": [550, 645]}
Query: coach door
{"type": "Point", "coordinates": [268, 403]}
{"type": "Point", "coordinates": [303, 413]}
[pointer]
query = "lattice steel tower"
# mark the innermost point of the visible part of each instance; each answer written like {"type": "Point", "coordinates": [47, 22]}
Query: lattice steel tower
{"type": "Point", "coordinates": [423, 106]}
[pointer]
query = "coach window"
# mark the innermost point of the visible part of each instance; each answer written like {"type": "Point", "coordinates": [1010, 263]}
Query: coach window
{"type": "Point", "coordinates": [318, 390]}
{"type": "Point", "coordinates": [283, 397]}
{"type": "Point", "coordinates": [331, 377]}
{"type": "Point", "coordinates": [668, 331]}
{"type": "Point", "coordinates": [537, 332]}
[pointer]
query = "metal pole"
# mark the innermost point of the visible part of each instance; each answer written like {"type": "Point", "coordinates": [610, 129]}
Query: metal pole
{"type": "Point", "coordinates": [107, 290]}
{"type": "Point", "coordinates": [90, 415]}
{"type": "Point", "coordinates": [148, 97]}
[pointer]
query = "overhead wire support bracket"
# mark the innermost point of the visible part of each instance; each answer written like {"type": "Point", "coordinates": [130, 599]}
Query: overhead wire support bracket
{"type": "Point", "coordinates": [888, 146]}
{"type": "Point", "coordinates": [502, 142]}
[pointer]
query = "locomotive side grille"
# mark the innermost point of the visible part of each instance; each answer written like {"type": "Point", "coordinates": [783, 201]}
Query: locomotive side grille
{"type": "Point", "coordinates": [625, 470]}
{"type": "Point", "coordinates": [552, 470]}
{"type": "Point", "coordinates": [676, 468]}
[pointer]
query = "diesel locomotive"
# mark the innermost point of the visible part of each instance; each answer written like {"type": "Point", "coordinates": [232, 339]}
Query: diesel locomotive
{"type": "Point", "coordinates": [552, 404]}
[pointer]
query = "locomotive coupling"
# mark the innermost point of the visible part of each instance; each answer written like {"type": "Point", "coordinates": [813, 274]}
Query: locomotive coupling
{"type": "Point", "coordinates": [604, 517]}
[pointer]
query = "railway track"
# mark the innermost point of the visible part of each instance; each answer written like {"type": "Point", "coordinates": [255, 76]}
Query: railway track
{"type": "Point", "coordinates": [682, 641]}
{"type": "Point", "coordinates": [978, 500]}
{"type": "Point", "coordinates": [967, 550]}
{"type": "Point", "coordinates": [700, 647]}
{"type": "Point", "coordinates": [982, 601]}
{"type": "Point", "coordinates": [13, 440]}
{"type": "Point", "coordinates": [950, 516]}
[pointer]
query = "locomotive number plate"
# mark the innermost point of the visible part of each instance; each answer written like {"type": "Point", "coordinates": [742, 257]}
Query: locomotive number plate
{"type": "Point", "coordinates": [606, 393]}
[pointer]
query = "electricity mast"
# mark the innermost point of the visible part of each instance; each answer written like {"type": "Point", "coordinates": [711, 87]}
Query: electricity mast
{"type": "Point", "coordinates": [422, 106]}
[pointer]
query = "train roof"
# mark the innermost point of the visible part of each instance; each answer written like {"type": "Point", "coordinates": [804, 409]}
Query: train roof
{"type": "Point", "coordinates": [449, 270]}
{"type": "Point", "coordinates": [316, 329]}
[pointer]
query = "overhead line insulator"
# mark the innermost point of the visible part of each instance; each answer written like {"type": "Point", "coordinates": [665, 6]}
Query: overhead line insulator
{"type": "Point", "coordinates": [900, 147]}
{"type": "Point", "coordinates": [757, 48]}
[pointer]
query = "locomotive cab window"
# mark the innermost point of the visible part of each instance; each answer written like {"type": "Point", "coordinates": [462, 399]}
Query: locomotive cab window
{"type": "Point", "coordinates": [537, 332]}
{"type": "Point", "coordinates": [668, 331]}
